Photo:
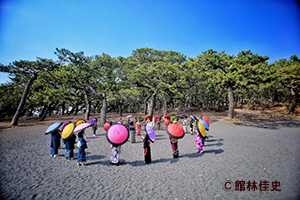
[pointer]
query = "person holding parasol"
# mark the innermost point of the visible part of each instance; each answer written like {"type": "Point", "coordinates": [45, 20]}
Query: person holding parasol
{"type": "Point", "coordinates": [147, 139]}
{"type": "Point", "coordinates": [94, 125]}
{"type": "Point", "coordinates": [167, 120]}
{"type": "Point", "coordinates": [175, 132]}
{"type": "Point", "coordinates": [68, 141]}
{"type": "Point", "coordinates": [116, 135]}
{"type": "Point", "coordinates": [55, 138]}
{"type": "Point", "coordinates": [81, 144]}
{"type": "Point", "coordinates": [200, 135]}
{"type": "Point", "coordinates": [157, 120]}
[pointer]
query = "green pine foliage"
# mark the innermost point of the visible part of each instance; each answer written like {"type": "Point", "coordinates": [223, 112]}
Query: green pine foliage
{"type": "Point", "coordinates": [144, 79]}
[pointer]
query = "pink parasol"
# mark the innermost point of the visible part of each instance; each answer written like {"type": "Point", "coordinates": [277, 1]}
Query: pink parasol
{"type": "Point", "coordinates": [81, 127]}
{"type": "Point", "coordinates": [129, 116]}
{"type": "Point", "coordinates": [117, 134]}
{"type": "Point", "coordinates": [157, 118]}
{"type": "Point", "coordinates": [151, 133]}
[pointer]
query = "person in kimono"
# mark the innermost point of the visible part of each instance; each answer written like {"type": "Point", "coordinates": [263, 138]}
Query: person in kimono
{"type": "Point", "coordinates": [167, 121]}
{"type": "Point", "coordinates": [138, 126]}
{"type": "Point", "coordinates": [174, 143]}
{"type": "Point", "coordinates": [132, 132]}
{"type": "Point", "coordinates": [198, 141]}
{"type": "Point", "coordinates": [158, 124]}
{"type": "Point", "coordinates": [81, 144]}
{"type": "Point", "coordinates": [69, 147]}
{"type": "Point", "coordinates": [94, 126]}
{"type": "Point", "coordinates": [55, 143]}
{"type": "Point", "coordinates": [184, 125]}
{"type": "Point", "coordinates": [115, 154]}
{"type": "Point", "coordinates": [147, 150]}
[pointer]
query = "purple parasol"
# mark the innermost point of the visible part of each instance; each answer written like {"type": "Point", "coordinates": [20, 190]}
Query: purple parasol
{"type": "Point", "coordinates": [151, 133]}
{"type": "Point", "coordinates": [63, 127]}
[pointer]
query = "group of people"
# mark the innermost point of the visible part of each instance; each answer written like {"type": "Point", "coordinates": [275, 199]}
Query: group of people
{"type": "Point", "coordinates": [133, 128]}
{"type": "Point", "coordinates": [70, 142]}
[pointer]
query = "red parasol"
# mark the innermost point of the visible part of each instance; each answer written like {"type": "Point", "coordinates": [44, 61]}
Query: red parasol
{"type": "Point", "coordinates": [148, 117]}
{"type": "Point", "coordinates": [205, 119]}
{"type": "Point", "coordinates": [167, 117]}
{"type": "Point", "coordinates": [175, 131]}
{"type": "Point", "coordinates": [106, 126]}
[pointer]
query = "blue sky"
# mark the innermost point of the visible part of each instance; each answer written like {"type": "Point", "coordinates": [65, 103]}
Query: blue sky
{"type": "Point", "coordinates": [31, 29]}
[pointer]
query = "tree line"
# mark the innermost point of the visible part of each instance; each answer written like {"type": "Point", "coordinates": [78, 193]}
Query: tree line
{"type": "Point", "coordinates": [148, 79]}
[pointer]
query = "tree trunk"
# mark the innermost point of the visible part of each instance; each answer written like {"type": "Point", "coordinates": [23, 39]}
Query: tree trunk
{"type": "Point", "coordinates": [63, 108]}
{"type": "Point", "coordinates": [146, 105]}
{"type": "Point", "coordinates": [152, 105]}
{"type": "Point", "coordinates": [87, 106]}
{"type": "Point", "coordinates": [186, 103]}
{"type": "Point", "coordinates": [76, 110]}
{"type": "Point", "coordinates": [45, 113]}
{"type": "Point", "coordinates": [104, 108]}
{"type": "Point", "coordinates": [295, 100]}
{"type": "Point", "coordinates": [165, 109]}
{"type": "Point", "coordinates": [120, 106]}
{"type": "Point", "coordinates": [17, 115]}
{"type": "Point", "coordinates": [231, 102]}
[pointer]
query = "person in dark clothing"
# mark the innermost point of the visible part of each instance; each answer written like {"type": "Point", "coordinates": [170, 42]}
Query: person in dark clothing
{"type": "Point", "coordinates": [55, 143]}
{"type": "Point", "coordinates": [147, 150]}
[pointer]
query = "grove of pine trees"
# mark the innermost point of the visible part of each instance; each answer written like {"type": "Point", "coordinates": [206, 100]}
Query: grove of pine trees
{"type": "Point", "coordinates": [148, 79]}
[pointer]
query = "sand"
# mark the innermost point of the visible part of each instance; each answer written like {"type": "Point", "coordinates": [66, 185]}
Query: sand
{"type": "Point", "coordinates": [234, 152]}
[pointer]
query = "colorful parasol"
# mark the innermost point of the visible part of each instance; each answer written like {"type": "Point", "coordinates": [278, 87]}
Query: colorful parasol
{"type": "Point", "coordinates": [148, 117]}
{"type": "Point", "coordinates": [151, 133]}
{"type": "Point", "coordinates": [204, 124]}
{"type": "Point", "coordinates": [79, 122]}
{"type": "Point", "coordinates": [205, 119]}
{"type": "Point", "coordinates": [129, 116]}
{"type": "Point", "coordinates": [157, 118]}
{"type": "Point", "coordinates": [167, 117]}
{"type": "Point", "coordinates": [81, 127]}
{"type": "Point", "coordinates": [175, 131]}
{"type": "Point", "coordinates": [192, 117]}
{"type": "Point", "coordinates": [182, 116]}
{"type": "Point", "coordinates": [106, 126]}
{"type": "Point", "coordinates": [117, 134]}
{"type": "Point", "coordinates": [201, 129]}
{"type": "Point", "coordinates": [63, 127]}
{"type": "Point", "coordinates": [93, 120]}
{"type": "Point", "coordinates": [53, 127]}
{"type": "Point", "coordinates": [139, 118]}
{"type": "Point", "coordinates": [68, 131]}
{"type": "Point", "coordinates": [173, 118]}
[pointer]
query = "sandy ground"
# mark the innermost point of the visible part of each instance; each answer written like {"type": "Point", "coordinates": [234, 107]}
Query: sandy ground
{"type": "Point", "coordinates": [236, 151]}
